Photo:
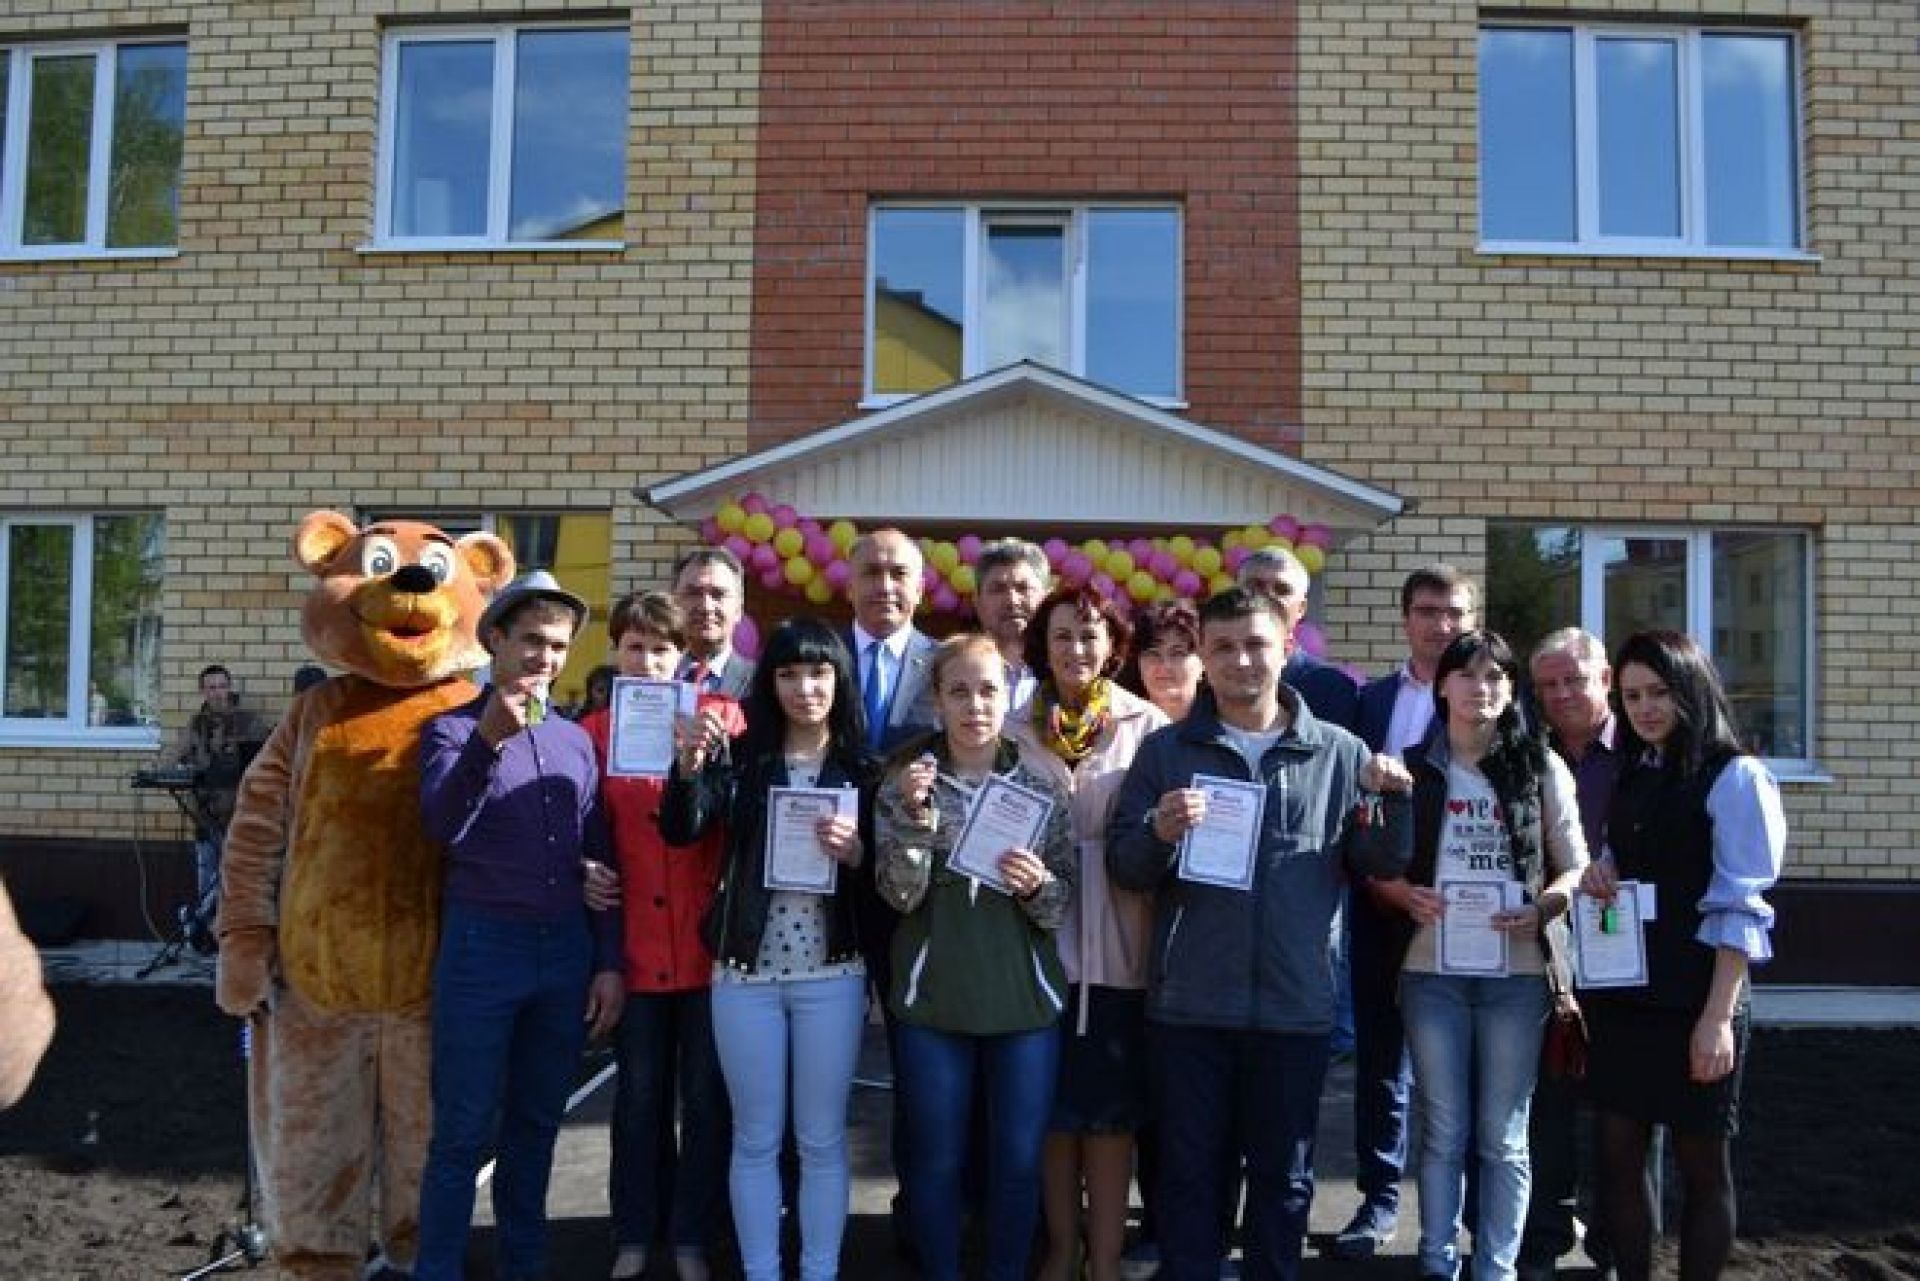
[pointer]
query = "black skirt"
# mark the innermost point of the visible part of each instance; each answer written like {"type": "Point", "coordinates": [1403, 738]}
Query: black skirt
{"type": "Point", "coordinates": [1637, 1066]}
{"type": "Point", "coordinates": [1103, 1075]}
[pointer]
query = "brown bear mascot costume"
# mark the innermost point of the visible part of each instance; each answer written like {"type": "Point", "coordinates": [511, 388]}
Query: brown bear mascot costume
{"type": "Point", "coordinates": [330, 892]}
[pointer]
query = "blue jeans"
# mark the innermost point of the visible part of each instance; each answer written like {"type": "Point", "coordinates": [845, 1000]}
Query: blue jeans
{"type": "Point", "coordinates": [760, 1029]}
{"type": "Point", "coordinates": [1382, 1077]}
{"type": "Point", "coordinates": [1476, 1051]}
{"type": "Point", "coordinates": [936, 1071]}
{"type": "Point", "coordinates": [660, 1187]}
{"type": "Point", "coordinates": [1220, 1092]}
{"type": "Point", "coordinates": [508, 1004]}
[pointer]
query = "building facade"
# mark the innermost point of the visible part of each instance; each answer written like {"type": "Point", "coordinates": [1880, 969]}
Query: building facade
{"type": "Point", "coordinates": [1623, 307]}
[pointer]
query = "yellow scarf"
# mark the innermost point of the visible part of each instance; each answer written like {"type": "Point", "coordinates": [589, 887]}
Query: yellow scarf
{"type": "Point", "coordinates": [1071, 735]}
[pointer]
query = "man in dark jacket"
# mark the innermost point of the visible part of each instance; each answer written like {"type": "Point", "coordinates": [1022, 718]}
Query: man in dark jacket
{"type": "Point", "coordinates": [1241, 1000]}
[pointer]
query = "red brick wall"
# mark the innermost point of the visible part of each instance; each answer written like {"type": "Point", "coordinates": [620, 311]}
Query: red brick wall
{"type": "Point", "coordinates": [1018, 98]}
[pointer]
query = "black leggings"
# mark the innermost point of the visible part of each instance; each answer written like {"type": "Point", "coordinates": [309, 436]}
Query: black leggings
{"type": "Point", "coordinates": [1706, 1209]}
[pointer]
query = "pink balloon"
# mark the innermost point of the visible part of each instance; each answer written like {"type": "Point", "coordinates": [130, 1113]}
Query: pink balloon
{"type": "Point", "coordinates": [1235, 555]}
{"type": "Point", "coordinates": [764, 558]}
{"type": "Point", "coordinates": [1076, 568]}
{"type": "Point", "coordinates": [929, 580]}
{"type": "Point", "coordinates": [739, 545]}
{"type": "Point", "coordinates": [710, 531]}
{"type": "Point", "coordinates": [1141, 550]}
{"type": "Point", "coordinates": [753, 504]}
{"type": "Point", "coordinates": [784, 517]}
{"type": "Point", "coordinates": [1056, 550]}
{"type": "Point", "coordinates": [1317, 536]}
{"type": "Point", "coordinates": [969, 549]}
{"type": "Point", "coordinates": [775, 579]}
{"type": "Point", "coordinates": [945, 599]}
{"type": "Point", "coordinates": [820, 549]}
{"type": "Point", "coordinates": [746, 638]}
{"type": "Point", "coordinates": [809, 527]}
{"type": "Point", "coordinates": [1103, 583]}
{"type": "Point", "coordinates": [1164, 566]}
{"type": "Point", "coordinates": [1284, 527]}
{"type": "Point", "coordinates": [1187, 583]}
{"type": "Point", "coordinates": [838, 574]}
{"type": "Point", "coordinates": [1312, 639]}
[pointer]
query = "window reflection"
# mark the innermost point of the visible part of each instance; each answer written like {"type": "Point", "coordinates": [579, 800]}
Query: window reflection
{"type": "Point", "coordinates": [1638, 96]}
{"type": "Point", "coordinates": [1023, 295]}
{"type": "Point", "coordinates": [1133, 300]}
{"type": "Point", "coordinates": [1748, 104]}
{"type": "Point", "coordinates": [59, 150]}
{"type": "Point", "coordinates": [39, 619]}
{"type": "Point", "coordinates": [1759, 640]}
{"type": "Point", "coordinates": [569, 135]}
{"type": "Point", "coordinates": [149, 129]}
{"type": "Point", "coordinates": [1526, 135]}
{"type": "Point", "coordinates": [441, 127]}
{"type": "Point", "coordinates": [1646, 584]}
{"type": "Point", "coordinates": [918, 338]}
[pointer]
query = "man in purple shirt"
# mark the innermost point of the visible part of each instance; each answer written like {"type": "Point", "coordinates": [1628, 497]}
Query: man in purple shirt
{"type": "Point", "coordinates": [525, 972]}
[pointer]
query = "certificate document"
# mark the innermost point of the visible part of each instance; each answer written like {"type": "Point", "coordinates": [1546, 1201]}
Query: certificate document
{"type": "Point", "coordinates": [795, 858]}
{"type": "Point", "coordinates": [640, 726]}
{"type": "Point", "coordinates": [1610, 939]}
{"type": "Point", "coordinates": [1003, 816]}
{"type": "Point", "coordinates": [1466, 942]}
{"type": "Point", "coordinates": [1222, 849]}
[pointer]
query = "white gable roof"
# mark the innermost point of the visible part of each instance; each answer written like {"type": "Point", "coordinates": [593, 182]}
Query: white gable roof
{"type": "Point", "coordinates": [1028, 444]}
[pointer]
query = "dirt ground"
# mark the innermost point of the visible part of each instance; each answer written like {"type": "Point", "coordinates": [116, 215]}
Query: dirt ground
{"type": "Point", "coordinates": [125, 1160]}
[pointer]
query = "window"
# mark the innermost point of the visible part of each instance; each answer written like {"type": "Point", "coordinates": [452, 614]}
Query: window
{"type": "Point", "coordinates": [80, 627]}
{"type": "Point", "coordinates": [575, 547]}
{"type": "Point", "coordinates": [512, 136]}
{"type": "Point", "coordinates": [957, 291]}
{"type": "Point", "coordinates": [1745, 594]}
{"type": "Point", "coordinates": [90, 144]}
{"type": "Point", "coordinates": [1639, 140]}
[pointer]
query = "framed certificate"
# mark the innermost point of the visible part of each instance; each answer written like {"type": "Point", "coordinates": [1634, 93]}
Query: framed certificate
{"type": "Point", "coordinates": [640, 725]}
{"type": "Point", "coordinates": [1466, 942]}
{"type": "Point", "coordinates": [1221, 850]}
{"type": "Point", "coordinates": [795, 859]}
{"type": "Point", "coordinates": [1003, 816]}
{"type": "Point", "coordinates": [1610, 939]}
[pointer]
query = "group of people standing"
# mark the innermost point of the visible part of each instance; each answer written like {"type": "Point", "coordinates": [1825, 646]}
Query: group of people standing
{"type": "Point", "coordinates": [1098, 1004]}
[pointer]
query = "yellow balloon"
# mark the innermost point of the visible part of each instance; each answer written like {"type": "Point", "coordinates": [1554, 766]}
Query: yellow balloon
{"type": "Point", "coordinates": [944, 557]}
{"type": "Point", "coordinates": [1254, 537]}
{"type": "Point", "coordinates": [843, 535]}
{"type": "Point", "coordinates": [730, 517]}
{"type": "Point", "coordinates": [758, 527]}
{"type": "Point", "coordinates": [1142, 585]}
{"type": "Point", "coordinates": [1119, 566]}
{"type": "Point", "coordinates": [1164, 593]}
{"type": "Point", "coordinates": [1312, 557]}
{"type": "Point", "coordinates": [788, 542]}
{"type": "Point", "coordinates": [799, 570]}
{"type": "Point", "coordinates": [1206, 561]}
{"type": "Point", "coordinates": [819, 590]}
{"type": "Point", "coordinates": [964, 580]}
{"type": "Point", "coordinates": [1220, 583]}
{"type": "Point", "coordinates": [1230, 540]}
{"type": "Point", "coordinates": [1096, 551]}
{"type": "Point", "coordinates": [1182, 548]}
{"type": "Point", "coordinates": [1284, 544]}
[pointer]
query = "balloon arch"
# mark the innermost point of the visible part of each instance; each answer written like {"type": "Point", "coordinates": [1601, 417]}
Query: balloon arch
{"type": "Point", "coordinates": [790, 554]}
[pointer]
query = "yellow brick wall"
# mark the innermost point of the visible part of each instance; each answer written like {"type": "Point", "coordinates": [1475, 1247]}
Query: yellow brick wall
{"type": "Point", "coordinates": [272, 367]}
{"type": "Point", "coordinates": [1632, 389]}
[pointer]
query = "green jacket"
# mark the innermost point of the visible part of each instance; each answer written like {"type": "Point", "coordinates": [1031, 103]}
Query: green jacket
{"type": "Point", "coordinates": [967, 958]}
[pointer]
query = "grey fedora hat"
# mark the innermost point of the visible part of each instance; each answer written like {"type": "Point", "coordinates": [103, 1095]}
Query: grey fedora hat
{"type": "Point", "coordinates": [539, 585]}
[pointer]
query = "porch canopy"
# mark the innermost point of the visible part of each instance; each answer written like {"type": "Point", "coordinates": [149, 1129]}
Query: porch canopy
{"type": "Point", "coordinates": [1029, 450]}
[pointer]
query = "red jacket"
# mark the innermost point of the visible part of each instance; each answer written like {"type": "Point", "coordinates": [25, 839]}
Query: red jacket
{"type": "Point", "coordinates": [664, 890]}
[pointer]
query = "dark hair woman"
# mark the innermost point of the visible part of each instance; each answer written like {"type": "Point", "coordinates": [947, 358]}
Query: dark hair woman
{"type": "Point", "coordinates": [1496, 836]}
{"type": "Point", "coordinates": [789, 987]}
{"type": "Point", "coordinates": [1700, 821]}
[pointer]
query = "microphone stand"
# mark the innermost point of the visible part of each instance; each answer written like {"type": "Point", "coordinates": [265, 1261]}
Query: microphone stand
{"type": "Point", "coordinates": [245, 1244]}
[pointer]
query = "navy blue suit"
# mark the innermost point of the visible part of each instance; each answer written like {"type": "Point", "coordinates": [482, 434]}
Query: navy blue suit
{"type": "Point", "coordinates": [1383, 1074]}
{"type": "Point", "coordinates": [1330, 693]}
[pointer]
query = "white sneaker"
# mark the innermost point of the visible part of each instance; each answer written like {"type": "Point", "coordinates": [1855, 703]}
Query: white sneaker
{"type": "Point", "coordinates": [629, 1263]}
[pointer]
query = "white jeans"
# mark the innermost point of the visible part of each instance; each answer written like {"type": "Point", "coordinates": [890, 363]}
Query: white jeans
{"type": "Point", "coordinates": [757, 1027]}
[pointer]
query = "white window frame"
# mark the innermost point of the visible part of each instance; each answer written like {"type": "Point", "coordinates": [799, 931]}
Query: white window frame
{"type": "Point", "coordinates": [505, 38]}
{"type": "Point", "coordinates": [13, 150]}
{"type": "Point", "coordinates": [1071, 216]}
{"type": "Point", "coordinates": [1699, 609]}
{"type": "Point", "coordinates": [72, 730]}
{"type": "Point", "coordinates": [1691, 242]}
